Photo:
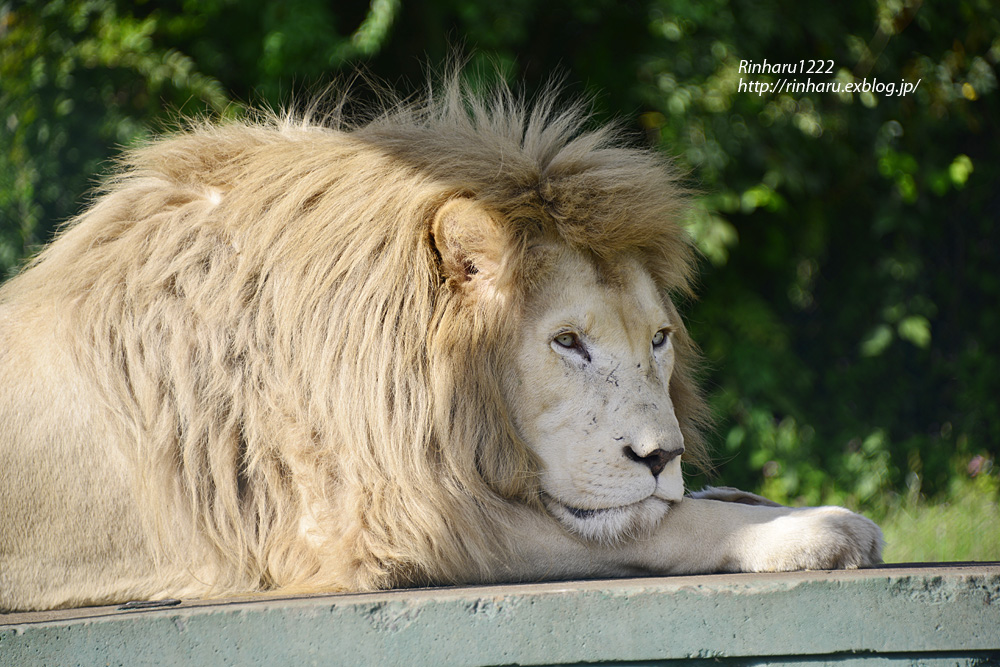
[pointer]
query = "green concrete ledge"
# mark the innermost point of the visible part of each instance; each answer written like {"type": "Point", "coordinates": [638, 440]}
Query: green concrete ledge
{"type": "Point", "coordinates": [937, 614]}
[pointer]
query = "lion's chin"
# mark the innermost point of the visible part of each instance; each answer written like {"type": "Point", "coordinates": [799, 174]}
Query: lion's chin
{"type": "Point", "coordinates": [612, 524]}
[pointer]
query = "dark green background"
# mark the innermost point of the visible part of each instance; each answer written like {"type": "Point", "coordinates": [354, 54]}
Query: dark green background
{"type": "Point", "coordinates": [850, 298]}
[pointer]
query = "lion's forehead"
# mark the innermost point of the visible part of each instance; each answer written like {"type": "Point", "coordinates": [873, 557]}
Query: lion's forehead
{"type": "Point", "coordinates": [617, 302]}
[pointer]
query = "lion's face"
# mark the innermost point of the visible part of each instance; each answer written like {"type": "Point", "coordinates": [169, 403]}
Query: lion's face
{"type": "Point", "coordinates": [592, 398]}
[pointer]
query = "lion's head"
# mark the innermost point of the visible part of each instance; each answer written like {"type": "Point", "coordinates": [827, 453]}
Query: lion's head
{"type": "Point", "coordinates": [588, 381]}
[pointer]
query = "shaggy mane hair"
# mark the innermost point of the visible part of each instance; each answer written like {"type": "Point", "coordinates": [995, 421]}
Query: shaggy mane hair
{"type": "Point", "coordinates": [260, 310]}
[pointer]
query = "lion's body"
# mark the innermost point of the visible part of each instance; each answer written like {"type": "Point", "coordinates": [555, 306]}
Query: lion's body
{"type": "Point", "coordinates": [251, 366]}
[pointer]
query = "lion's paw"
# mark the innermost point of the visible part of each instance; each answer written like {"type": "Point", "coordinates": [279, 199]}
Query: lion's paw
{"type": "Point", "coordinates": [819, 538]}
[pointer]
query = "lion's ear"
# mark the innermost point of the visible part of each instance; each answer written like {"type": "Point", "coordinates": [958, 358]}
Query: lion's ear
{"type": "Point", "coordinates": [469, 240]}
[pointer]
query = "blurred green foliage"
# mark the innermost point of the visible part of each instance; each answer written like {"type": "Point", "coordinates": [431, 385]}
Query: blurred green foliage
{"type": "Point", "coordinates": [962, 527]}
{"type": "Point", "coordinates": [850, 302]}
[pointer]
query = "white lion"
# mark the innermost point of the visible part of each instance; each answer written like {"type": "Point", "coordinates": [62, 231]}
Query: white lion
{"type": "Point", "coordinates": [302, 356]}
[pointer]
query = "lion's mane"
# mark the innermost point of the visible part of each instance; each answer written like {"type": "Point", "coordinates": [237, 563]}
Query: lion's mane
{"type": "Point", "coordinates": [259, 310]}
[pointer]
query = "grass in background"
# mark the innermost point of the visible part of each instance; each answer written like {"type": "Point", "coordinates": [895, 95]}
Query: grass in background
{"type": "Point", "coordinates": [963, 527]}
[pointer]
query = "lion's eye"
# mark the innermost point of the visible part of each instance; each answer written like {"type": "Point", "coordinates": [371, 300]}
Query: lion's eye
{"type": "Point", "coordinates": [660, 337]}
{"type": "Point", "coordinates": [571, 341]}
{"type": "Point", "coordinates": [568, 340]}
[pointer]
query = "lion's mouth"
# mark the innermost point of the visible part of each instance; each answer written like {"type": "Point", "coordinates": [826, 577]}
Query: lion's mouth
{"type": "Point", "coordinates": [588, 514]}
{"type": "Point", "coordinates": [609, 524]}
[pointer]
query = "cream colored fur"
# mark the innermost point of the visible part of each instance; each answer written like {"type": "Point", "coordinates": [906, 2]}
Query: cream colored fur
{"type": "Point", "coordinates": [302, 356]}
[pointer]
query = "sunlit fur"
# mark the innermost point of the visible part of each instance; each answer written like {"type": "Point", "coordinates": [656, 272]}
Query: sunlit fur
{"type": "Point", "coordinates": [245, 367]}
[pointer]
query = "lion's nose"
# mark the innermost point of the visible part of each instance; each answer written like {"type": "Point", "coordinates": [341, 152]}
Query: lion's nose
{"type": "Point", "coordinates": [656, 460]}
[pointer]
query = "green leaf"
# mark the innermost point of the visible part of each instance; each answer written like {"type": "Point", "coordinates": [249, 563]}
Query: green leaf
{"type": "Point", "coordinates": [960, 170]}
{"type": "Point", "coordinates": [916, 329]}
{"type": "Point", "coordinates": [877, 341]}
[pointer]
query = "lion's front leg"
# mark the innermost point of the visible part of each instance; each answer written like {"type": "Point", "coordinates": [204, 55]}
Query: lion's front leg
{"type": "Point", "coordinates": [698, 535]}
{"type": "Point", "coordinates": [705, 535]}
